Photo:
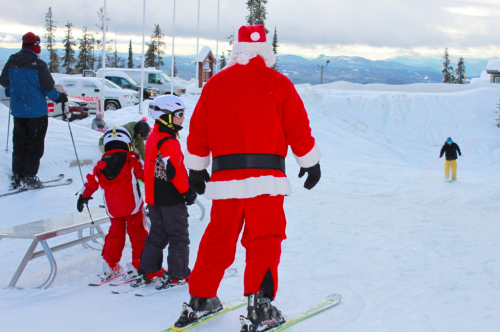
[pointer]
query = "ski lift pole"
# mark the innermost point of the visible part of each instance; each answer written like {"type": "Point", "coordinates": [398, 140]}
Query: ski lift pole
{"type": "Point", "coordinates": [197, 47]}
{"type": "Point", "coordinates": [8, 132]}
{"type": "Point", "coordinates": [431, 166]}
{"type": "Point", "coordinates": [469, 145]}
{"type": "Point", "coordinates": [66, 112]}
{"type": "Point", "coordinates": [142, 57]}
{"type": "Point", "coordinates": [173, 44]}
{"type": "Point", "coordinates": [217, 45]}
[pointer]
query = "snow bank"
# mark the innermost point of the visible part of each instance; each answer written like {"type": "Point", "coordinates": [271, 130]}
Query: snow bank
{"type": "Point", "coordinates": [407, 253]}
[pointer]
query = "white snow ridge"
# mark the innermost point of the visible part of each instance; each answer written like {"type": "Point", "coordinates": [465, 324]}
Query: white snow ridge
{"type": "Point", "coordinates": [407, 253]}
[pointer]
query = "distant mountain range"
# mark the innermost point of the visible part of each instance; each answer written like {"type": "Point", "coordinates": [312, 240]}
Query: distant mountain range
{"type": "Point", "coordinates": [398, 70]}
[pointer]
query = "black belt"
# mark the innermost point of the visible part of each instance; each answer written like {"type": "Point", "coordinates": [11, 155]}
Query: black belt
{"type": "Point", "coordinates": [248, 160]}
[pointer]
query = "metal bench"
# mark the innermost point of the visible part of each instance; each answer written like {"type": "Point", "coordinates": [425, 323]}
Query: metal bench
{"type": "Point", "coordinates": [42, 230]}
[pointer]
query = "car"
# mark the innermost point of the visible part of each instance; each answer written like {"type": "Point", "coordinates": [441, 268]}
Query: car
{"type": "Point", "coordinates": [89, 89]}
{"type": "Point", "coordinates": [153, 78]}
{"type": "Point", "coordinates": [126, 82]}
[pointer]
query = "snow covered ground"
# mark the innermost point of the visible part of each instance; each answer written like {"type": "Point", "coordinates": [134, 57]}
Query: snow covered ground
{"type": "Point", "coordinates": [407, 253]}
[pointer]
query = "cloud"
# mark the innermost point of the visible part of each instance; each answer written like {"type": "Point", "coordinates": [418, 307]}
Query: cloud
{"type": "Point", "coordinates": [314, 25]}
{"type": "Point", "coordinates": [7, 38]}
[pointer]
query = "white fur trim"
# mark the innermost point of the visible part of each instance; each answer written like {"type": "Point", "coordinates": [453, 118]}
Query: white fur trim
{"type": "Point", "coordinates": [309, 159]}
{"type": "Point", "coordinates": [243, 52]}
{"type": "Point", "coordinates": [195, 162]}
{"type": "Point", "coordinates": [248, 188]}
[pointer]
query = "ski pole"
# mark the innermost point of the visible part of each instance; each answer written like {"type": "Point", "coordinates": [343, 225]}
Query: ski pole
{"type": "Point", "coordinates": [469, 145]}
{"type": "Point", "coordinates": [66, 112]}
{"type": "Point", "coordinates": [8, 132]}
{"type": "Point", "coordinates": [431, 166]}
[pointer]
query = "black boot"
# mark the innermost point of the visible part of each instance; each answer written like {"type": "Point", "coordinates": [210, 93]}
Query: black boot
{"type": "Point", "coordinates": [15, 181]}
{"type": "Point", "coordinates": [32, 182]}
{"type": "Point", "coordinates": [262, 315]}
{"type": "Point", "coordinates": [197, 308]}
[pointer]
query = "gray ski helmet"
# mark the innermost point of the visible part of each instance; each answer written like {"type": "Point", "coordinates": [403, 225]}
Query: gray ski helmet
{"type": "Point", "coordinates": [165, 104]}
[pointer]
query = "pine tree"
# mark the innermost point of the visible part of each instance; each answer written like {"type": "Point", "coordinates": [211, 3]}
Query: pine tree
{"type": "Point", "coordinates": [150, 56]}
{"type": "Point", "coordinates": [230, 38]}
{"type": "Point", "coordinates": [93, 45]}
{"type": "Point", "coordinates": [176, 72]}
{"type": "Point", "coordinates": [460, 71]}
{"type": "Point", "coordinates": [100, 36]}
{"type": "Point", "coordinates": [69, 54]}
{"type": "Point", "coordinates": [157, 37]}
{"type": "Point", "coordinates": [130, 63]}
{"type": "Point", "coordinates": [275, 48]}
{"type": "Point", "coordinates": [85, 56]}
{"type": "Point", "coordinates": [447, 71]}
{"type": "Point", "coordinates": [258, 12]}
{"type": "Point", "coordinates": [50, 29]}
{"type": "Point", "coordinates": [116, 60]}
{"type": "Point", "coordinates": [222, 61]}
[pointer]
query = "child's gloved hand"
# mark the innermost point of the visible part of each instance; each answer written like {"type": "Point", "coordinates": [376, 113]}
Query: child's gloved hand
{"type": "Point", "coordinates": [189, 197]}
{"type": "Point", "coordinates": [82, 200]}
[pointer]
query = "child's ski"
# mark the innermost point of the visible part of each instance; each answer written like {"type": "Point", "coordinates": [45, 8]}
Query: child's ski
{"type": "Point", "coordinates": [128, 289]}
{"type": "Point", "coordinates": [227, 308]}
{"type": "Point", "coordinates": [102, 282]}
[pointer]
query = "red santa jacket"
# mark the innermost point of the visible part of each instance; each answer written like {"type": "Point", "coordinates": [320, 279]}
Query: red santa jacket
{"type": "Point", "coordinates": [117, 173]}
{"type": "Point", "coordinates": [164, 171]}
{"type": "Point", "coordinates": [249, 109]}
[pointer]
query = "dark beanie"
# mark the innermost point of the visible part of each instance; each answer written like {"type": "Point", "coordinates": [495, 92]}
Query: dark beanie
{"type": "Point", "coordinates": [31, 42]}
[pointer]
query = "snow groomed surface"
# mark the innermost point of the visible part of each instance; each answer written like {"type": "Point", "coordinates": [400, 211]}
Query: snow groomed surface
{"type": "Point", "coordinates": [407, 253]}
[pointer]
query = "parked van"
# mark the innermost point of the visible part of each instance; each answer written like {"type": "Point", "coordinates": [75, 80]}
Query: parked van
{"type": "Point", "coordinates": [153, 78]}
{"type": "Point", "coordinates": [126, 82]}
{"type": "Point", "coordinates": [89, 89]}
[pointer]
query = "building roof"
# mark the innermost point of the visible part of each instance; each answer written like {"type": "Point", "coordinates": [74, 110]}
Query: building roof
{"type": "Point", "coordinates": [205, 51]}
{"type": "Point", "coordinates": [493, 66]}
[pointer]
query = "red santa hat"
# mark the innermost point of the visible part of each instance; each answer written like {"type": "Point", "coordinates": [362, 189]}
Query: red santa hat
{"type": "Point", "coordinates": [32, 42]}
{"type": "Point", "coordinates": [252, 41]}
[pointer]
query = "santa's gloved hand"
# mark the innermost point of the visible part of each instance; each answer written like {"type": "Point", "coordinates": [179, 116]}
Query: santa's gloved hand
{"type": "Point", "coordinates": [189, 197]}
{"type": "Point", "coordinates": [313, 175]}
{"type": "Point", "coordinates": [197, 180]}
{"type": "Point", "coordinates": [82, 200]}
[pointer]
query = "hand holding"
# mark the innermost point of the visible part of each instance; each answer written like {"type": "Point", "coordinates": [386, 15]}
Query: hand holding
{"type": "Point", "coordinates": [197, 180]}
{"type": "Point", "coordinates": [82, 200]}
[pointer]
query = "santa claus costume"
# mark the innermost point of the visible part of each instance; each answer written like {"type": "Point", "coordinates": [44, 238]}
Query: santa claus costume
{"type": "Point", "coordinates": [246, 118]}
{"type": "Point", "coordinates": [117, 173]}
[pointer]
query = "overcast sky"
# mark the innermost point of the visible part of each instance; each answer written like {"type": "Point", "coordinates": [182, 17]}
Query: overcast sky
{"type": "Point", "coordinates": [374, 29]}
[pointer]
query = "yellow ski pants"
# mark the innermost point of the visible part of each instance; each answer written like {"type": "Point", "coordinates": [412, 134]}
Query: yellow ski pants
{"type": "Point", "coordinates": [450, 164]}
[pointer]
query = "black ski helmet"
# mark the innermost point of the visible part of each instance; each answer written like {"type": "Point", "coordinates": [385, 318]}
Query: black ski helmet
{"type": "Point", "coordinates": [142, 129]}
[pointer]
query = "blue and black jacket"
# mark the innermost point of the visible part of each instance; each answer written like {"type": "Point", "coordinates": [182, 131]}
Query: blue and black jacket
{"type": "Point", "coordinates": [30, 82]}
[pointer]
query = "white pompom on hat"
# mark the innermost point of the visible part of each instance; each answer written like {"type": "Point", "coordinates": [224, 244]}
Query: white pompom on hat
{"type": "Point", "coordinates": [252, 41]}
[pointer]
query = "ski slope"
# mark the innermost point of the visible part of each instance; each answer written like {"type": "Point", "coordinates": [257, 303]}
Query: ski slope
{"type": "Point", "coordinates": [407, 253]}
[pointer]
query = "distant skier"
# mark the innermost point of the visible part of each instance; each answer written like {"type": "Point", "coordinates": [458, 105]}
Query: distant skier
{"type": "Point", "coordinates": [117, 173]}
{"type": "Point", "coordinates": [167, 194]}
{"type": "Point", "coordinates": [139, 131]}
{"type": "Point", "coordinates": [28, 82]}
{"type": "Point", "coordinates": [450, 148]}
{"type": "Point", "coordinates": [98, 123]}
{"type": "Point", "coordinates": [246, 118]}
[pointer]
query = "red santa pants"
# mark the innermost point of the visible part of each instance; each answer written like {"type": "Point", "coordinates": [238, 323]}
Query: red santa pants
{"type": "Point", "coordinates": [135, 226]}
{"type": "Point", "coordinates": [264, 231]}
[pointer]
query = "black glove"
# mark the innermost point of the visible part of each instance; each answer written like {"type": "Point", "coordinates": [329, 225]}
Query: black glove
{"type": "Point", "coordinates": [313, 175]}
{"type": "Point", "coordinates": [189, 197]}
{"type": "Point", "coordinates": [82, 200]}
{"type": "Point", "coordinates": [197, 180]}
{"type": "Point", "coordinates": [62, 98]}
{"type": "Point", "coordinates": [7, 92]}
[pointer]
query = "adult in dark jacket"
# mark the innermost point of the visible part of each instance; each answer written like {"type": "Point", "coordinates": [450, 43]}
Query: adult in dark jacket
{"type": "Point", "coordinates": [28, 82]}
{"type": "Point", "coordinates": [450, 148]}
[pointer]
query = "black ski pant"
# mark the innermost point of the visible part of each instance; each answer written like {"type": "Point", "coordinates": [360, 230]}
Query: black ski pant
{"type": "Point", "coordinates": [169, 226]}
{"type": "Point", "coordinates": [28, 142]}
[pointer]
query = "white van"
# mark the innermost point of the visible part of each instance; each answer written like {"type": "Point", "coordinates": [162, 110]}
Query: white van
{"type": "Point", "coordinates": [89, 89]}
{"type": "Point", "coordinates": [153, 78]}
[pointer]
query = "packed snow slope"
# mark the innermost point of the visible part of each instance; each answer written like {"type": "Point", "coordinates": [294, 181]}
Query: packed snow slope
{"type": "Point", "coordinates": [407, 253]}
